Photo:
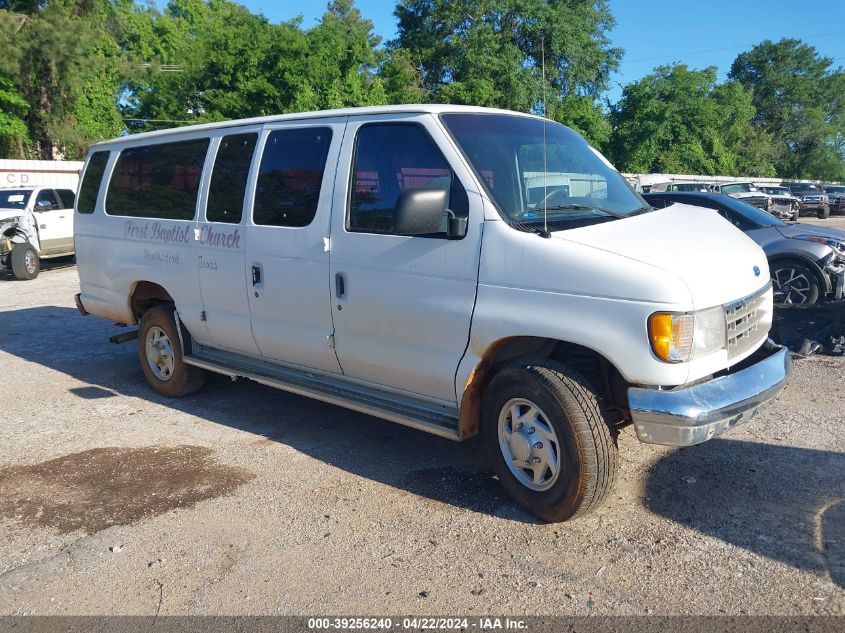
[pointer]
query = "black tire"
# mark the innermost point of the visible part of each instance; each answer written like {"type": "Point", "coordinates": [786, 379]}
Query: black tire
{"type": "Point", "coordinates": [587, 447]}
{"type": "Point", "coordinates": [795, 283]}
{"type": "Point", "coordinates": [25, 262]}
{"type": "Point", "coordinates": [823, 214]}
{"type": "Point", "coordinates": [178, 378]}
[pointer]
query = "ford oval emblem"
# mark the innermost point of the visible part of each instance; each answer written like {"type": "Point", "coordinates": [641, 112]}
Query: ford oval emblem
{"type": "Point", "coordinates": [756, 271]}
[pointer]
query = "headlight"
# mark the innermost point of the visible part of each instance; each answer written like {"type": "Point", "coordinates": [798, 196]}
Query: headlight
{"type": "Point", "coordinates": [680, 337]}
{"type": "Point", "coordinates": [836, 245]}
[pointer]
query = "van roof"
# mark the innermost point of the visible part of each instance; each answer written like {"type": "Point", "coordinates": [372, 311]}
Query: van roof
{"type": "Point", "coordinates": [429, 108]}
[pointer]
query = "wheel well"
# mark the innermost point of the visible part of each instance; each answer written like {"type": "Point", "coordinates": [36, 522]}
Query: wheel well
{"type": "Point", "coordinates": [601, 373]}
{"type": "Point", "coordinates": [145, 295]}
{"type": "Point", "coordinates": [824, 282]}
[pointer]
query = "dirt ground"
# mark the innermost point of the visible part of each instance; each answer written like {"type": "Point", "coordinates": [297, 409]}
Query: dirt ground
{"type": "Point", "coordinates": [241, 499]}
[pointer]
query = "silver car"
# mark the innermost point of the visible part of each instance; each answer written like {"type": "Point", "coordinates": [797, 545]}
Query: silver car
{"type": "Point", "coordinates": [806, 262]}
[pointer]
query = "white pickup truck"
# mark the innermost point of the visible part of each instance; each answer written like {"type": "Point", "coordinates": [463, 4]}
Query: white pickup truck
{"type": "Point", "coordinates": [35, 223]}
{"type": "Point", "coordinates": [459, 270]}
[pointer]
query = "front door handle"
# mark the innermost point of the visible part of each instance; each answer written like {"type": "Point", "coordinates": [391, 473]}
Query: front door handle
{"type": "Point", "coordinates": [339, 286]}
{"type": "Point", "coordinates": [256, 275]}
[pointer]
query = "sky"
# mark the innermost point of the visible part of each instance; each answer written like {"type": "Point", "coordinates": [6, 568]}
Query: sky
{"type": "Point", "coordinates": [655, 32]}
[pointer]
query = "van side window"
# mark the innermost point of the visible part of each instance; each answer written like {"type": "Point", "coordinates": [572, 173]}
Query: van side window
{"type": "Point", "coordinates": [157, 181]}
{"type": "Point", "coordinates": [290, 176]}
{"type": "Point", "coordinates": [228, 180]}
{"type": "Point", "coordinates": [391, 158]}
{"type": "Point", "coordinates": [91, 181]}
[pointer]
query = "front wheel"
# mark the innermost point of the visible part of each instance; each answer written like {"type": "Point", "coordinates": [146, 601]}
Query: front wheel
{"type": "Point", "coordinates": [823, 213]}
{"type": "Point", "coordinates": [547, 439]}
{"type": "Point", "coordinates": [160, 353]}
{"type": "Point", "coordinates": [25, 262]}
{"type": "Point", "coordinates": [794, 283]}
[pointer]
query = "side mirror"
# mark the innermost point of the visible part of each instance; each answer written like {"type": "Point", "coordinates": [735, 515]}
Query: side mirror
{"type": "Point", "coordinates": [420, 211]}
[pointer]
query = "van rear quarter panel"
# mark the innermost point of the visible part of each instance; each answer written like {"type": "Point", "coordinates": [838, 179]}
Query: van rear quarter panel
{"type": "Point", "coordinates": [114, 254]}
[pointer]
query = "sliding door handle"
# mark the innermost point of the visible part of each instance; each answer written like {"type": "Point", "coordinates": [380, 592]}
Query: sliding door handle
{"type": "Point", "coordinates": [339, 286]}
{"type": "Point", "coordinates": [256, 275]}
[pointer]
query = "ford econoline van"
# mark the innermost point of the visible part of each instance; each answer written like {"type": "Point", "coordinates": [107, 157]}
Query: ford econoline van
{"type": "Point", "coordinates": [458, 270]}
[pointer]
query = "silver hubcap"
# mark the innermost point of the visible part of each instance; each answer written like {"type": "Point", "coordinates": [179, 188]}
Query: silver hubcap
{"type": "Point", "coordinates": [791, 286]}
{"type": "Point", "coordinates": [29, 262]}
{"type": "Point", "coordinates": [159, 353]}
{"type": "Point", "coordinates": [529, 444]}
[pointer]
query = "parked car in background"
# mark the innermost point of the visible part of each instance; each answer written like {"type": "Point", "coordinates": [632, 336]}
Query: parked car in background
{"type": "Point", "coordinates": [836, 196]}
{"type": "Point", "coordinates": [806, 262]}
{"type": "Point", "coordinates": [750, 193]}
{"type": "Point", "coordinates": [688, 186]}
{"type": "Point", "coordinates": [35, 223]}
{"type": "Point", "coordinates": [784, 192]}
{"type": "Point", "coordinates": [812, 198]}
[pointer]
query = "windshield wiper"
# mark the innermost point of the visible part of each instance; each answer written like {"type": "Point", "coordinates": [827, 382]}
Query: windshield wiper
{"type": "Point", "coordinates": [646, 209]}
{"type": "Point", "coordinates": [581, 207]}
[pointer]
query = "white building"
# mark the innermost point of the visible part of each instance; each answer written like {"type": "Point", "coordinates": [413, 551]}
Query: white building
{"type": "Point", "coordinates": [51, 173]}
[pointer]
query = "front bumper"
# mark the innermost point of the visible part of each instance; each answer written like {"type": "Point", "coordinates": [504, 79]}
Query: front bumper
{"type": "Point", "coordinates": [813, 206]}
{"type": "Point", "coordinates": [691, 415]}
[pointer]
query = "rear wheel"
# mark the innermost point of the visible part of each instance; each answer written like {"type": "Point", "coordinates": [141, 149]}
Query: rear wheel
{"type": "Point", "coordinates": [794, 283]}
{"type": "Point", "coordinates": [547, 439]}
{"type": "Point", "coordinates": [25, 262]}
{"type": "Point", "coordinates": [160, 353]}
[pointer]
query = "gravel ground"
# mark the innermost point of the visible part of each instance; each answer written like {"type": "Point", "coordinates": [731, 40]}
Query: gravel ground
{"type": "Point", "coordinates": [242, 499]}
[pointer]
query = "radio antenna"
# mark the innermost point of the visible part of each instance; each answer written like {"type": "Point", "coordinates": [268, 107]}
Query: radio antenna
{"type": "Point", "coordinates": [545, 159]}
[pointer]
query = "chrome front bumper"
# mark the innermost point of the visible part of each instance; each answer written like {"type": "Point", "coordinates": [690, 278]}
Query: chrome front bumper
{"type": "Point", "coordinates": [691, 415]}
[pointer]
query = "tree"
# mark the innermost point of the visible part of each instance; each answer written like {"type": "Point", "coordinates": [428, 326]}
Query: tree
{"type": "Point", "coordinates": [678, 120]}
{"type": "Point", "coordinates": [216, 60]}
{"type": "Point", "coordinates": [14, 136]}
{"type": "Point", "coordinates": [800, 100]}
{"type": "Point", "coordinates": [63, 61]}
{"type": "Point", "coordinates": [342, 60]}
{"type": "Point", "coordinates": [491, 54]}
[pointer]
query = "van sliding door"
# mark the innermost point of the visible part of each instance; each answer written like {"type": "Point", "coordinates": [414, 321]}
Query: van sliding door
{"type": "Point", "coordinates": [287, 265]}
{"type": "Point", "coordinates": [221, 244]}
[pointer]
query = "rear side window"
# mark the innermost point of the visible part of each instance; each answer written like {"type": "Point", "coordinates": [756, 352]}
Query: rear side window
{"type": "Point", "coordinates": [391, 158]}
{"type": "Point", "coordinates": [157, 181]}
{"type": "Point", "coordinates": [228, 180]}
{"type": "Point", "coordinates": [290, 177]}
{"type": "Point", "coordinates": [91, 182]}
{"type": "Point", "coordinates": [66, 198]}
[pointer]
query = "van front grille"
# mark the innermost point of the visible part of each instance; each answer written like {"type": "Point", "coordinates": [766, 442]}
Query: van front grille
{"type": "Point", "coordinates": [749, 321]}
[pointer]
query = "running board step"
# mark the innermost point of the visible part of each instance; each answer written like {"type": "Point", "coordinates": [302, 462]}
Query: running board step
{"type": "Point", "coordinates": [402, 410]}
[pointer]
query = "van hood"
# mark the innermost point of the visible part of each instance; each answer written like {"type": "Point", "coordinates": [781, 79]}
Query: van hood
{"type": "Point", "coordinates": [716, 261]}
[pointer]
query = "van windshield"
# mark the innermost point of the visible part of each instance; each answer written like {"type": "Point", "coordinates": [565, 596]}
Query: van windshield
{"type": "Point", "coordinates": [572, 182]}
{"type": "Point", "coordinates": [14, 198]}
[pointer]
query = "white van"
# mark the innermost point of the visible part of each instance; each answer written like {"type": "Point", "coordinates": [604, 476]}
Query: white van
{"type": "Point", "coordinates": [35, 223]}
{"type": "Point", "coordinates": [391, 260]}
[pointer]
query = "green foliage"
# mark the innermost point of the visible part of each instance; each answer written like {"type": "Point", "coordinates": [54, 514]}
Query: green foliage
{"type": "Point", "coordinates": [800, 100]}
{"type": "Point", "coordinates": [64, 63]}
{"type": "Point", "coordinates": [14, 137]}
{"type": "Point", "coordinates": [77, 71]}
{"type": "Point", "coordinates": [231, 63]}
{"type": "Point", "coordinates": [678, 120]}
{"type": "Point", "coordinates": [491, 54]}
